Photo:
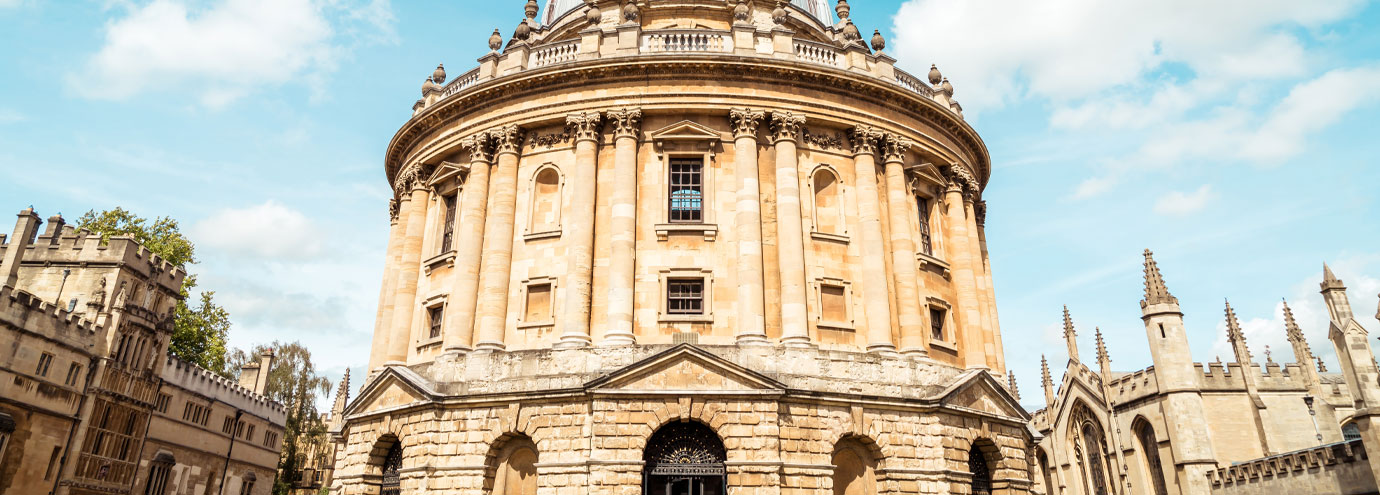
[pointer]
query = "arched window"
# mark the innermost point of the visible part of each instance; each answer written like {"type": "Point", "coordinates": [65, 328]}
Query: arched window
{"type": "Point", "coordinates": [982, 473]}
{"type": "Point", "coordinates": [1096, 471]}
{"type": "Point", "coordinates": [392, 461]}
{"type": "Point", "coordinates": [854, 469]}
{"type": "Point", "coordinates": [1045, 469]}
{"type": "Point", "coordinates": [515, 467]}
{"type": "Point", "coordinates": [1150, 450]}
{"type": "Point", "coordinates": [1089, 449]}
{"type": "Point", "coordinates": [828, 201]}
{"type": "Point", "coordinates": [545, 216]}
{"type": "Point", "coordinates": [159, 468]}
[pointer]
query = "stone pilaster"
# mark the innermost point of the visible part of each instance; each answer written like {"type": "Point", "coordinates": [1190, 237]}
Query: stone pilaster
{"type": "Point", "coordinates": [623, 227]}
{"type": "Point", "coordinates": [460, 323]}
{"type": "Point", "coordinates": [748, 225]}
{"type": "Point", "coordinates": [790, 236]}
{"type": "Point", "coordinates": [585, 128]}
{"type": "Point", "coordinates": [914, 338]}
{"type": "Point", "coordinates": [496, 263]}
{"type": "Point", "coordinates": [413, 217]}
{"type": "Point", "coordinates": [379, 349]}
{"type": "Point", "coordinates": [967, 313]}
{"type": "Point", "coordinates": [876, 297]}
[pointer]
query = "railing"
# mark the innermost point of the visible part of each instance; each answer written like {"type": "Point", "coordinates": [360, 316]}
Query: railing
{"type": "Point", "coordinates": [460, 83]}
{"type": "Point", "coordinates": [818, 53]}
{"type": "Point", "coordinates": [122, 382]}
{"type": "Point", "coordinates": [912, 83]}
{"type": "Point", "coordinates": [687, 40]}
{"type": "Point", "coordinates": [555, 54]}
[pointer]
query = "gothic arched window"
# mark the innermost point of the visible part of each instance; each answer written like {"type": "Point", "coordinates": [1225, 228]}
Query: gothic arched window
{"type": "Point", "coordinates": [1096, 472]}
{"type": "Point", "coordinates": [1150, 449]}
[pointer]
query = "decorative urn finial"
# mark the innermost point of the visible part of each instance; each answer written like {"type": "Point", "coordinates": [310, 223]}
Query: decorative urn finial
{"type": "Point", "coordinates": [592, 15]}
{"type": "Point", "coordinates": [439, 75]}
{"type": "Point", "coordinates": [630, 12]}
{"type": "Point", "coordinates": [428, 86]}
{"type": "Point", "coordinates": [842, 9]}
{"type": "Point", "coordinates": [947, 88]}
{"type": "Point", "coordinates": [523, 30]}
{"type": "Point", "coordinates": [495, 41]}
{"type": "Point", "coordinates": [740, 11]}
{"type": "Point", "coordinates": [878, 42]}
{"type": "Point", "coordinates": [531, 9]}
{"type": "Point", "coordinates": [779, 13]}
{"type": "Point", "coordinates": [935, 76]}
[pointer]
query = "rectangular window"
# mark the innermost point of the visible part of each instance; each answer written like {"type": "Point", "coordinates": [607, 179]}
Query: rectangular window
{"type": "Point", "coordinates": [448, 230]}
{"type": "Point", "coordinates": [538, 303]}
{"type": "Point", "coordinates": [685, 296]}
{"type": "Point", "coordinates": [247, 488]}
{"type": "Point", "coordinates": [937, 323]}
{"type": "Point", "coordinates": [923, 205]}
{"type": "Point", "coordinates": [162, 404]}
{"type": "Point", "coordinates": [44, 361]}
{"type": "Point", "coordinates": [833, 303]}
{"type": "Point", "coordinates": [228, 425]}
{"type": "Point", "coordinates": [687, 190]}
{"type": "Point", "coordinates": [249, 432]}
{"type": "Point", "coordinates": [73, 373]}
{"type": "Point", "coordinates": [434, 318]}
{"type": "Point", "coordinates": [52, 464]}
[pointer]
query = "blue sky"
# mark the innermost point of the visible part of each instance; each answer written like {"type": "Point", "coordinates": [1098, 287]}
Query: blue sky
{"type": "Point", "coordinates": [1236, 139]}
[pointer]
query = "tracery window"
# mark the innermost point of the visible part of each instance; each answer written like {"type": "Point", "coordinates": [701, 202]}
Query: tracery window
{"type": "Point", "coordinates": [1150, 449]}
{"type": "Point", "coordinates": [1096, 472]}
{"type": "Point", "coordinates": [687, 190]}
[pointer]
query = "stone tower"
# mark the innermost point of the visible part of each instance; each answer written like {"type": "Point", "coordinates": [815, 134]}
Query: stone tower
{"type": "Point", "coordinates": [1177, 376]}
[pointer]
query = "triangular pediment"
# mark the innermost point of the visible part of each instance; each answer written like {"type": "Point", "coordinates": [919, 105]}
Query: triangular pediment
{"type": "Point", "coordinates": [393, 387]}
{"type": "Point", "coordinates": [445, 171]}
{"type": "Point", "coordinates": [685, 368]}
{"type": "Point", "coordinates": [685, 130]}
{"type": "Point", "coordinates": [928, 172]}
{"type": "Point", "coordinates": [977, 391]}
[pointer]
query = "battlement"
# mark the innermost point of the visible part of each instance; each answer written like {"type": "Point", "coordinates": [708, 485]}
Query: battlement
{"type": "Point", "coordinates": [26, 311]}
{"type": "Point", "coordinates": [194, 378]}
{"type": "Point", "coordinates": [1321, 469]}
{"type": "Point", "coordinates": [1272, 377]}
{"type": "Point", "coordinates": [1133, 386]}
{"type": "Point", "coordinates": [82, 247]}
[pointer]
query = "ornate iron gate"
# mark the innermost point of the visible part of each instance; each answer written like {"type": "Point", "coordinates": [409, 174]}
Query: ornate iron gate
{"type": "Point", "coordinates": [390, 470]}
{"type": "Point", "coordinates": [684, 459]}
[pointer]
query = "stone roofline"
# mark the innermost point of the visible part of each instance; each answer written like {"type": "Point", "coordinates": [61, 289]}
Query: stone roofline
{"type": "Point", "coordinates": [1288, 464]}
{"type": "Point", "coordinates": [746, 42]}
{"type": "Point", "coordinates": [55, 320]}
{"type": "Point", "coordinates": [192, 377]}
{"type": "Point", "coordinates": [84, 247]}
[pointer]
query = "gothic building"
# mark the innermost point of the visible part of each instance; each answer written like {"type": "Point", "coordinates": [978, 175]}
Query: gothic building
{"type": "Point", "coordinates": [90, 401]}
{"type": "Point", "coordinates": [686, 247]}
{"type": "Point", "coordinates": [1181, 427]}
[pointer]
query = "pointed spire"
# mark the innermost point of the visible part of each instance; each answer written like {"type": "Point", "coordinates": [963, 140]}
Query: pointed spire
{"type": "Point", "coordinates": [1046, 382]}
{"type": "Point", "coordinates": [342, 396]}
{"type": "Point", "coordinates": [1011, 384]}
{"type": "Point", "coordinates": [1155, 291]}
{"type": "Point", "coordinates": [1070, 335]}
{"type": "Point", "coordinates": [1291, 327]}
{"type": "Point", "coordinates": [1101, 347]}
{"type": "Point", "coordinates": [1237, 337]}
{"type": "Point", "coordinates": [1330, 281]}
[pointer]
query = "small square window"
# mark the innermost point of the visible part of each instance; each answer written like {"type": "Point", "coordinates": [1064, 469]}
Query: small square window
{"type": "Point", "coordinates": [833, 303]}
{"type": "Point", "coordinates": [685, 296]}
{"type": "Point", "coordinates": [937, 323]}
{"type": "Point", "coordinates": [44, 361]}
{"type": "Point", "coordinates": [538, 303]}
{"type": "Point", "coordinates": [435, 317]}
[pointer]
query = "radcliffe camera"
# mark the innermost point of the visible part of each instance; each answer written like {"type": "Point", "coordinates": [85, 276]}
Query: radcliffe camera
{"type": "Point", "coordinates": [689, 247]}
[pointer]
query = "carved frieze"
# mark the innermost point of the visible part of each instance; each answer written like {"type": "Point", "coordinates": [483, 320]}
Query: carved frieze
{"type": "Point", "coordinates": [744, 121]}
{"type": "Point", "coordinates": [548, 140]}
{"type": "Point", "coordinates": [821, 140]}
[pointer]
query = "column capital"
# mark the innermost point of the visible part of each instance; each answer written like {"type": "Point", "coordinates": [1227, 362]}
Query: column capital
{"type": "Point", "coordinates": [626, 122]}
{"type": "Point", "coordinates": [392, 210]}
{"type": "Point", "coordinates": [584, 126]}
{"type": "Point", "coordinates": [744, 121]}
{"type": "Point", "coordinates": [960, 178]}
{"type": "Point", "coordinates": [980, 207]}
{"type": "Point", "coordinates": [785, 126]}
{"type": "Point", "coordinates": [506, 139]}
{"type": "Point", "coordinates": [410, 178]}
{"type": "Point", "coordinates": [894, 147]}
{"type": "Point", "coordinates": [864, 139]}
{"type": "Point", "coordinates": [480, 146]}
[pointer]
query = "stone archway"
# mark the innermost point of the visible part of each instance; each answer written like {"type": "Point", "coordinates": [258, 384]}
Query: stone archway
{"type": "Point", "coordinates": [684, 458]}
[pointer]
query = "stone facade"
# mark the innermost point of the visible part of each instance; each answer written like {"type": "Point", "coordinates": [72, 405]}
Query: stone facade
{"type": "Point", "coordinates": [89, 400]}
{"type": "Point", "coordinates": [732, 227]}
{"type": "Point", "coordinates": [1189, 428]}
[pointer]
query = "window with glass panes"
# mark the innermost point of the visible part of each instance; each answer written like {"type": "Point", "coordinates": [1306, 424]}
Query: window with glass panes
{"type": "Point", "coordinates": [434, 318]}
{"type": "Point", "coordinates": [685, 296]}
{"type": "Point", "coordinates": [687, 190]}
{"type": "Point", "coordinates": [449, 229]}
{"type": "Point", "coordinates": [922, 204]}
{"type": "Point", "coordinates": [937, 324]}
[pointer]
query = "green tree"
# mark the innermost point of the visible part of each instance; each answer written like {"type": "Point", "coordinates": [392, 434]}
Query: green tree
{"type": "Point", "coordinates": [199, 331]}
{"type": "Point", "coordinates": [294, 382]}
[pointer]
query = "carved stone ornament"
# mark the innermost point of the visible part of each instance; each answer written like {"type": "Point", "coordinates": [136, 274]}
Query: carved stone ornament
{"type": "Point", "coordinates": [506, 139]}
{"type": "Point", "coordinates": [409, 178]}
{"type": "Point", "coordinates": [592, 13]}
{"type": "Point", "coordinates": [785, 125]}
{"type": "Point", "coordinates": [530, 9]}
{"type": "Point", "coordinates": [740, 11]}
{"type": "Point", "coordinates": [878, 42]}
{"type": "Point", "coordinates": [392, 209]}
{"type": "Point", "coordinates": [584, 126]}
{"type": "Point", "coordinates": [864, 139]}
{"type": "Point", "coordinates": [744, 121]}
{"type": "Point", "coordinates": [842, 9]}
{"type": "Point", "coordinates": [548, 140]}
{"type": "Point", "coordinates": [495, 41]}
{"type": "Point", "coordinates": [821, 140]}
{"type": "Point", "coordinates": [778, 14]}
{"type": "Point", "coordinates": [626, 122]}
{"type": "Point", "coordinates": [981, 209]}
{"type": "Point", "coordinates": [894, 147]}
{"type": "Point", "coordinates": [959, 176]}
{"type": "Point", "coordinates": [630, 12]}
{"type": "Point", "coordinates": [480, 147]}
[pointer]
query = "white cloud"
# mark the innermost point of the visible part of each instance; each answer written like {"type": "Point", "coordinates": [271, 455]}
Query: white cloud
{"type": "Point", "coordinates": [1180, 203]}
{"type": "Point", "coordinates": [1094, 186]}
{"type": "Point", "coordinates": [10, 116]}
{"type": "Point", "coordinates": [267, 231]}
{"type": "Point", "coordinates": [222, 51]}
{"type": "Point", "coordinates": [5, 4]}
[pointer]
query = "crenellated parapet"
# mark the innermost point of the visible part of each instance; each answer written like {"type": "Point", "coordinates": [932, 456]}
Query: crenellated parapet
{"type": "Point", "coordinates": [193, 378]}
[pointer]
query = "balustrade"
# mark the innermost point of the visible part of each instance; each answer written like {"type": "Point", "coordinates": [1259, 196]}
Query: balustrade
{"type": "Point", "coordinates": [696, 40]}
{"type": "Point", "coordinates": [555, 53]}
{"type": "Point", "coordinates": [818, 53]}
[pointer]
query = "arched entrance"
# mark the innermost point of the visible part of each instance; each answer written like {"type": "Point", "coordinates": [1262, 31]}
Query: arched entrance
{"type": "Point", "coordinates": [391, 463]}
{"type": "Point", "coordinates": [685, 458]}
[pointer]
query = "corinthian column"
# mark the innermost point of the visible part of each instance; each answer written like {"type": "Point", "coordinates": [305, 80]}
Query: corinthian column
{"type": "Point", "coordinates": [903, 249]}
{"type": "Point", "coordinates": [996, 359]}
{"type": "Point", "coordinates": [980, 278]}
{"type": "Point", "coordinates": [413, 213]}
{"type": "Point", "coordinates": [876, 299]}
{"type": "Point", "coordinates": [497, 259]}
{"type": "Point", "coordinates": [967, 312]}
{"type": "Point", "coordinates": [748, 228]}
{"type": "Point", "coordinates": [460, 323]}
{"type": "Point", "coordinates": [790, 240]}
{"type": "Point", "coordinates": [623, 227]}
{"type": "Point", "coordinates": [585, 127]}
{"type": "Point", "coordinates": [379, 351]}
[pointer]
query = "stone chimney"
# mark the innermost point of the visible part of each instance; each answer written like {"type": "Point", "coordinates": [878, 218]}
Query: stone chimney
{"type": "Point", "coordinates": [265, 365]}
{"type": "Point", "coordinates": [54, 230]}
{"type": "Point", "coordinates": [24, 230]}
{"type": "Point", "coordinates": [249, 375]}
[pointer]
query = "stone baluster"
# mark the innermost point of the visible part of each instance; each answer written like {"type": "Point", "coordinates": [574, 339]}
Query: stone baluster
{"type": "Point", "coordinates": [967, 313]}
{"type": "Point", "coordinates": [790, 237]}
{"type": "Point", "coordinates": [913, 336]}
{"type": "Point", "coordinates": [748, 225]}
{"type": "Point", "coordinates": [378, 352]}
{"type": "Point", "coordinates": [413, 217]}
{"type": "Point", "coordinates": [876, 297]}
{"type": "Point", "coordinates": [460, 323]}
{"type": "Point", "coordinates": [496, 264]}
{"type": "Point", "coordinates": [623, 227]}
{"type": "Point", "coordinates": [585, 127]}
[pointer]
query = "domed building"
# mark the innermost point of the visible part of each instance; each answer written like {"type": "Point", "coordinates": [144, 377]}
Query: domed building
{"type": "Point", "coordinates": [686, 247]}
